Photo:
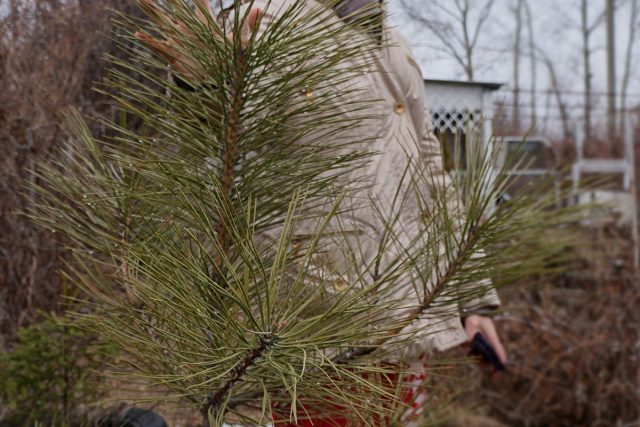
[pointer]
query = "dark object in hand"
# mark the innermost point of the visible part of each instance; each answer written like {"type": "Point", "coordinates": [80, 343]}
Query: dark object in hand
{"type": "Point", "coordinates": [481, 347]}
{"type": "Point", "coordinates": [124, 416]}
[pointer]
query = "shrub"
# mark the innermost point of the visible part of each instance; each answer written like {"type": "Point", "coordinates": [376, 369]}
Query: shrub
{"type": "Point", "coordinates": [49, 373]}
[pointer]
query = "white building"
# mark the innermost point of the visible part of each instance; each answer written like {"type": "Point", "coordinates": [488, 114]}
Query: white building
{"type": "Point", "coordinates": [463, 112]}
{"type": "Point", "coordinates": [460, 107]}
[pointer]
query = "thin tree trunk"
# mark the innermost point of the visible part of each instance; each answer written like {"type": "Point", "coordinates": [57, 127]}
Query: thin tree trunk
{"type": "Point", "coordinates": [468, 48]}
{"type": "Point", "coordinates": [586, 57]}
{"type": "Point", "coordinates": [517, 53]}
{"type": "Point", "coordinates": [627, 63]}
{"type": "Point", "coordinates": [533, 61]}
{"type": "Point", "coordinates": [611, 70]}
{"type": "Point", "coordinates": [547, 112]}
{"type": "Point", "coordinates": [555, 88]}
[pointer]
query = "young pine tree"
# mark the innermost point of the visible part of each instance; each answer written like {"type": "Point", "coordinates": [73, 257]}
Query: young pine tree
{"type": "Point", "coordinates": [236, 246]}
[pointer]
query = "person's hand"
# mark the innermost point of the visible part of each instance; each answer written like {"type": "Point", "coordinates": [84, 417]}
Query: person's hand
{"type": "Point", "coordinates": [485, 326]}
{"type": "Point", "coordinates": [175, 30]}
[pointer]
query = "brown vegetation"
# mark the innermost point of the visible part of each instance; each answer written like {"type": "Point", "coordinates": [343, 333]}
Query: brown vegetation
{"type": "Point", "coordinates": [51, 54]}
{"type": "Point", "coordinates": [572, 344]}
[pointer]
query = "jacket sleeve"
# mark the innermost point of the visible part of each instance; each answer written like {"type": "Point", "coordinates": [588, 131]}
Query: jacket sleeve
{"type": "Point", "coordinates": [432, 160]}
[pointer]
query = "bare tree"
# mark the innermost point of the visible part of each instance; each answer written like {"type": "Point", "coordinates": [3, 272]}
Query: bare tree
{"type": "Point", "coordinates": [556, 90]}
{"type": "Point", "coordinates": [587, 27]}
{"type": "Point", "coordinates": [611, 68]}
{"type": "Point", "coordinates": [628, 60]}
{"type": "Point", "coordinates": [456, 25]}
{"type": "Point", "coordinates": [517, 55]}
{"type": "Point", "coordinates": [533, 63]}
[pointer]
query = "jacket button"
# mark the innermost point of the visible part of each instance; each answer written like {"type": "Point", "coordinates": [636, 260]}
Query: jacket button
{"type": "Point", "coordinates": [340, 285]}
{"type": "Point", "coordinates": [399, 108]}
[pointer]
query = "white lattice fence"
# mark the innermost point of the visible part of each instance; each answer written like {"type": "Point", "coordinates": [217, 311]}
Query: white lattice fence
{"type": "Point", "coordinates": [457, 120]}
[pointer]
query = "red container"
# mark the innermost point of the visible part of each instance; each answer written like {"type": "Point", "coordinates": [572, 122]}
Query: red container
{"type": "Point", "coordinates": [326, 414]}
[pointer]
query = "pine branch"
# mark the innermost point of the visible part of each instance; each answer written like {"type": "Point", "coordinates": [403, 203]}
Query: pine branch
{"type": "Point", "coordinates": [463, 254]}
{"type": "Point", "coordinates": [216, 399]}
{"type": "Point", "coordinates": [232, 132]}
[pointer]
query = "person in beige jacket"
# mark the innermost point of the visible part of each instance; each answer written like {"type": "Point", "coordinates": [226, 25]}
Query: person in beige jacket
{"type": "Point", "coordinates": [402, 130]}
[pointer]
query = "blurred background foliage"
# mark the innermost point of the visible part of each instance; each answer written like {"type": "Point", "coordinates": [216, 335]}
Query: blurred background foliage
{"type": "Point", "coordinates": [52, 52]}
{"type": "Point", "coordinates": [49, 375]}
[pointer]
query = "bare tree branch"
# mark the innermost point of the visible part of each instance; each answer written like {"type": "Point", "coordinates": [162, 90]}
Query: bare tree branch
{"type": "Point", "coordinates": [458, 29]}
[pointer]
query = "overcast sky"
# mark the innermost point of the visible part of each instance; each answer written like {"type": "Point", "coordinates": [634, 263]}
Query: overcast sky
{"type": "Point", "coordinates": [556, 27]}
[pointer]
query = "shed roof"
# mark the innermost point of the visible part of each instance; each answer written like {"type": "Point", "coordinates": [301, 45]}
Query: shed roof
{"type": "Point", "coordinates": [474, 84]}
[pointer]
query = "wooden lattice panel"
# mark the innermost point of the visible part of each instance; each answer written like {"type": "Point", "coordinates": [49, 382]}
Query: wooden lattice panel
{"type": "Point", "coordinates": [455, 120]}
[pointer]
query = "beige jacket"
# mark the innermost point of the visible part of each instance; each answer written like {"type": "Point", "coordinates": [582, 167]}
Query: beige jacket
{"type": "Point", "coordinates": [403, 130]}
